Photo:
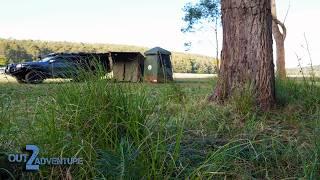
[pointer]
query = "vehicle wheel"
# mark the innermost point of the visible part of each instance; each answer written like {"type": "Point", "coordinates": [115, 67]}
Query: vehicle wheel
{"type": "Point", "coordinates": [34, 77]}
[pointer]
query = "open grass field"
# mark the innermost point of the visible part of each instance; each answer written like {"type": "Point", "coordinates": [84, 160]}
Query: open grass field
{"type": "Point", "coordinates": [160, 131]}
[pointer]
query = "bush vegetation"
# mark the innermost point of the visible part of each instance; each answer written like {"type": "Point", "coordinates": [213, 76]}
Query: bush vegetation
{"type": "Point", "coordinates": [307, 71]}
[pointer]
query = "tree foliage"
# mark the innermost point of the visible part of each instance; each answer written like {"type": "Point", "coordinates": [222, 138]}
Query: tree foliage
{"type": "Point", "coordinates": [203, 13]}
{"type": "Point", "coordinates": [3, 61]}
{"type": "Point", "coordinates": [204, 10]}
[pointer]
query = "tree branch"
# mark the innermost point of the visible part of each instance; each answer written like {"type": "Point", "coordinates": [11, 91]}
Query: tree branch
{"type": "Point", "coordinates": [283, 27]}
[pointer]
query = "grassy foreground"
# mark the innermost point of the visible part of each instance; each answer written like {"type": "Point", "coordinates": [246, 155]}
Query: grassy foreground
{"type": "Point", "coordinates": [160, 131]}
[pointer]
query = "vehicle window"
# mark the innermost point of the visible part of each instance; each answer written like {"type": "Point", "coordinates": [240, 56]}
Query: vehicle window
{"type": "Point", "coordinates": [59, 59]}
{"type": "Point", "coordinates": [70, 58]}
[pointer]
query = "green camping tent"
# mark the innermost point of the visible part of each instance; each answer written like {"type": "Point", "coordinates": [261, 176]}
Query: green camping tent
{"type": "Point", "coordinates": [157, 65]}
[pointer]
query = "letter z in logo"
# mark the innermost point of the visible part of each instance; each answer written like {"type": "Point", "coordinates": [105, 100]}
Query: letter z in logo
{"type": "Point", "coordinates": [30, 166]}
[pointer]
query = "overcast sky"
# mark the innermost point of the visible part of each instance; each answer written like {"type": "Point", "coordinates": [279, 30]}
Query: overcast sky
{"type": "Point", "coordinates": [141, 22]}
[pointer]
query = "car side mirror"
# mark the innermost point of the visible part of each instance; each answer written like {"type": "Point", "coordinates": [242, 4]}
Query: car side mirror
{"type": "Point", "coordinates": [51, 61]}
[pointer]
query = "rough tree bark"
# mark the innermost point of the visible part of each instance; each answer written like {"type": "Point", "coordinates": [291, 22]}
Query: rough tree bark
{"type": "Point", "coordinates": [279, 39]}
{"type": "Point", "coordinates": [247, 51]}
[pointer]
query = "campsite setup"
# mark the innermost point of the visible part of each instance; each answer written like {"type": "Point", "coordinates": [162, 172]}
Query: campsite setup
{"type": "Point", "coordinates": [154, 67]}
{"type": "Point", "coordinates": [124, 66]}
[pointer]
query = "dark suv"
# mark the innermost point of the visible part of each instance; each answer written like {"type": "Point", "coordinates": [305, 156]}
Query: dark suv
{"type": "Point", "coordinates": [58, 65]}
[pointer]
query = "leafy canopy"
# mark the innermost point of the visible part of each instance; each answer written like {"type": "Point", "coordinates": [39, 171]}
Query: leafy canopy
{"type": "Point", "coordinates": [204, 10]}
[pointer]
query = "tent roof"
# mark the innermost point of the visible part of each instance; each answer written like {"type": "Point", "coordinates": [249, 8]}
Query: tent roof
{"type": "Point", "coordinates": [157, 50]}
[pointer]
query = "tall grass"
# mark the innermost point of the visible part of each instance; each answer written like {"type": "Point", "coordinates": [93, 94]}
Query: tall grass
{"type": "Point", "coordinates": [168, 131]}
{"type": "Point", "coordinates": [110, 126]}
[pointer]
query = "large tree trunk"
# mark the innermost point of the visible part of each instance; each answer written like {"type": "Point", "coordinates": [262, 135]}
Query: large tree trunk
{"type": "Point", "coordinates": [247, 51]}
{"type": "Point", "coordinates": [279, 39]}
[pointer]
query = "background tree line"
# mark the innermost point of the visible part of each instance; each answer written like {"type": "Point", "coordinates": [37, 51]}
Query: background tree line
{"type": "Point", "coordinates": [15, 51]}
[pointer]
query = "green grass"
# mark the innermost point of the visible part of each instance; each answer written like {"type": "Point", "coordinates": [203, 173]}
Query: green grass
{"type": "Point", "coordinates": [161, 131]}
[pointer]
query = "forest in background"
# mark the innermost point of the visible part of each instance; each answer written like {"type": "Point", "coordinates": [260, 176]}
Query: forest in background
{"type": "Point", "coordinates": [15, 51]}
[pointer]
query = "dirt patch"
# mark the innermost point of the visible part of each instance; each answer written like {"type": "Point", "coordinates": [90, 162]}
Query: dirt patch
{"type": "Point", "coordinates": [7, 79]}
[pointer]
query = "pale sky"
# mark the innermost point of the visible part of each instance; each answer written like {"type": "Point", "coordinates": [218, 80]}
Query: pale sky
{"type": "Point", "coordinates": [146, 23]}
